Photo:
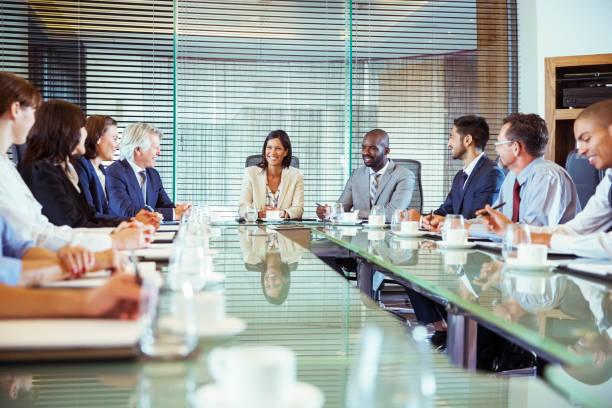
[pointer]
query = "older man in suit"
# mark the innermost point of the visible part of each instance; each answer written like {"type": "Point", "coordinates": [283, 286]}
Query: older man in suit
{"type": "Point", "coordinates": [379, 182]}
{"type": "Point", "coordinates": [132, 182]}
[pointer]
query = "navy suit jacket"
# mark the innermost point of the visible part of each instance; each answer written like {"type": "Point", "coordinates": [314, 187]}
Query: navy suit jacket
{"type": "Point", "coordinates": [125, 196]}
{"type": "Point", "coordinates": [482, 187]}
{"type": "Point", "coordinates": [92, 188]}
{"type": "Point", "coordinates": [60, 201]}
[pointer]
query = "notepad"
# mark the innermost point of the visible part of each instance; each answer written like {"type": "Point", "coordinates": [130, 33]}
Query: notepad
{"type": "Point", "coordinates": [604, 270]}
{"type": "Point", "coordinates": [155, 253]}
{"type": "Point", "coordinates": [97, 278]}
{"type": "Point", "coordinates": [168, 228]}
{"type": "Point", "coordinates": [57, 334]}
{"type": "Point", "coordinates": [164, 236]}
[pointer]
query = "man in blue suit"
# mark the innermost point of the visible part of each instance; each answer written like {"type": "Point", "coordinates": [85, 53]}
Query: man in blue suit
{"type": "Point", "coordinates": [132, 182]}
{"type": "Point", "coordinates": [478, 183]}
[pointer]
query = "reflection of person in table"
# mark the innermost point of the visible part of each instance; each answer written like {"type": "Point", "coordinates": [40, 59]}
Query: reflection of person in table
{"type": "Point", "coordinates": [16, 389]}
{"type": "Point", "coordinates": [275, 256]}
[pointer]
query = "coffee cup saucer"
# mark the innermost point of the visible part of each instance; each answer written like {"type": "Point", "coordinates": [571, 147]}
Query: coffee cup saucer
{"type": "Point", "coordinates": [302, 395]}
{"type": "Point", "coordinates": [418, 234]}
{"type": "Point", "coordinates": [267, 219]}
{"type": "Point", "coordinates": [375, 226]}
{"type": "Point", "coordinates": [452, 245]}
{"type": "Point", "coordinates": [230, 326]}
{"type": "Point", "coordinates": [515, 263]}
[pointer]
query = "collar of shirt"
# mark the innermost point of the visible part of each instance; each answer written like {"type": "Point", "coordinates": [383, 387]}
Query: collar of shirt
{"type": "Point", "coordinates": [137, 170]}
{"type": "Point", "coordinates": [470, 167]}
{"type": "Point", "coordinates": [71, 174]}
{"type": "Point", "coordinates": [381, 171]}
{"type": "Point", "coordinates": [524, 175]}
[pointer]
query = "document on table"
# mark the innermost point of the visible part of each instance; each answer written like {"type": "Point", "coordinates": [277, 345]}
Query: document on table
{"type": "Point", "coordinates": [603, 270]}
{"type": "Point", "coordinates": [168, 228]}
{"type": "Point", "coordinates": [156, 252]}
{"type": "Point", "coordinates": [165, 236]}
{"type": "Point", "coordinates": [498, 247]}
{"type": "Point", "coordinates": [68, 333]}
{"type": "Point", "coordinates": [97, 278]}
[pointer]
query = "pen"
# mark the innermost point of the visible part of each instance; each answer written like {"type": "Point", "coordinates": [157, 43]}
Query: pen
{"type": "Point", "coordinates": [497, 207]}
{"type": "Point", "coordinates": [134, 261]}
{"type": "Point", "coordinates": [148, 208]}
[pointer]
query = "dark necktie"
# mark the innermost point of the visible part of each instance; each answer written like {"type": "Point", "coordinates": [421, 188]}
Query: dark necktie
{"type": "Point", "coordinates": [462, 179]}
{"type": "Point", "coordinates": [516, 201]}
{"type": "Point", "coordinates": [610, 201]}
{"type": "Point", "coordinates": [143, 188]}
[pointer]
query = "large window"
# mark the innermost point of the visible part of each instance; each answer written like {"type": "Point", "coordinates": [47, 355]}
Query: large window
{"type": "Point", "coordinates": [216, 77]}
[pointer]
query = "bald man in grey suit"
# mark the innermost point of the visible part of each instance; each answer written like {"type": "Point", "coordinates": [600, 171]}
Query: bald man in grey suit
{"type": "Point", "coordinates": [379, 182]}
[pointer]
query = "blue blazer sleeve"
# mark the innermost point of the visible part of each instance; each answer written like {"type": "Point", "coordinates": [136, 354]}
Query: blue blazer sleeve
{"type": "Point", "coordinates": [157, 197]}
{"type": "Point", "coordinates": [488, 191]}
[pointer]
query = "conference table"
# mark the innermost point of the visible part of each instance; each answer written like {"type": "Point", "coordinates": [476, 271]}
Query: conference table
{"type": "Point", "coordinates": [322, 317]}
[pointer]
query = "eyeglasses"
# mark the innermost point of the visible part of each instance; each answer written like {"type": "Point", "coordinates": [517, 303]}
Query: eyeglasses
{"type": "Point", "coordinates": [504, 142]}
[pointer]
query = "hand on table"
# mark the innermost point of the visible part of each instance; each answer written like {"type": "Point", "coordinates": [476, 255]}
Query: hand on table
{"type": "Point", "coordinates": [149, 218]}
{"type": "Point", "coordinates": [75, 260]}
{"type": "Point", "coordinates": [433, 222]}
{"type": "Point", "coordinates": [494, 220]}
{"type": "Point", "coordinates": [117, 298]}
{"type": "Point", "coordinates": [180, 209]}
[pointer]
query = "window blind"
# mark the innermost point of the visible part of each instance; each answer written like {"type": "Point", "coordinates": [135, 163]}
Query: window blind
{"type": "Point", "coordinates": [217, 77]}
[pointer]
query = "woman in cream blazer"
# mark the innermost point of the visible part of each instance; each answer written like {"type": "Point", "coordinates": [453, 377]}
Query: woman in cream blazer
{"type": "Point", "coordinates": [273, 184]}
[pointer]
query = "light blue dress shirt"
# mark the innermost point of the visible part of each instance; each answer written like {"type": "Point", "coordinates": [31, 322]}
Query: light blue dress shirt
{"type": "Point", "coordinates": [548, 195]}
{"type": "Point", "coordinates": [13, 247]}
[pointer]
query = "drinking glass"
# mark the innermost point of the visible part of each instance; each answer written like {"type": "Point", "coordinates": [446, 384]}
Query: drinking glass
{"type": "Point", "coordinates": [190, 262]}
{"type": "Point", "coordinates": [336, 212]}
{"type": "Point", "coordinates": [251, 213]}
{"type": "Point", "coordinates": [170, 322]}
{"type": "Point", "coordinates": [515, 234]}
{"type": "Point", "coordinates": [452, 222]}
{"type": "Point", "coordinates": [397, 218]}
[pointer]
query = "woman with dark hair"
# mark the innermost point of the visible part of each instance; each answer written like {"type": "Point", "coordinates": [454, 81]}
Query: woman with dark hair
{"type": "Point", "coordinates": [273, 185]}
{"type": "Point", "coordinates": [57, 134]}
{"type": "Point", "coordinates": [101, 142]}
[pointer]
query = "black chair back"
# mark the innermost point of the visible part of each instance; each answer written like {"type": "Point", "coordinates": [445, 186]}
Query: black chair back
{"type": "Point", "coordinates": [255, 159]}
{"type": "Point", "coordinates": [414, 166]}
{"type": "Point", "coordinates": [585, 176]}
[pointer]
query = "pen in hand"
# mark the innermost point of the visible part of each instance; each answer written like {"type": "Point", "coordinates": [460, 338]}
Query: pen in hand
{"type": "Point", "coordinates": [484, 212]}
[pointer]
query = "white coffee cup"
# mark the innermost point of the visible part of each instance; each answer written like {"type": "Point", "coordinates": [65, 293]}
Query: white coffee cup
{"type": "Point", "coordinates": [456, 236]}
{"type": "Point", "coordinates": [530, 285]}
{"type": "Point", "coordinates": [532, 254]}
{"type": "Point", "coordinates": [210, 308]}
{"type": "Point", "coordinates": [455, 257]}
{"type": "Point", "coordinates": [409, 227]}
{"type": "Point", "coordinates": [376, 220]}
{"type": "Point", "coordinates": [350, 216]}
{"type": "Point", "coordinates": [253, 376]}
{"type": "Point", "coordinates": [273, 214]}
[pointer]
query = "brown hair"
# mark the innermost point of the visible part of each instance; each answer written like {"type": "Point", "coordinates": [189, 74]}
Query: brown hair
{"type": "Point", "coordinates": [96, 126]}
{"type": "Point", "coordinates": [56, 132]}
{"type": "Point", "coordinates": [528, 129]}
{"type": "Point", "coordinates": [13, 88]}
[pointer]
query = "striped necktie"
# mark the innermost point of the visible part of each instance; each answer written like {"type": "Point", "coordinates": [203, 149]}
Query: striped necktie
{"type": "Point", "coordinates": [374, 178]}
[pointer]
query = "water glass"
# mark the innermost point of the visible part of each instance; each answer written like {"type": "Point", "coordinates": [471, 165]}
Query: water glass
{"type": "Point", "coordinates": [515, 235]}
{"type": "Point", "coordinates": [169, 318]}
{"type": "Point", "coordinates": [251, 213]}
{"type": "Point", "coordinates": [335, 215]}
{"type": "Point", "coordinates": [453, 230]}
{"type": "Point", "coordinates": [397, 218]}
{"type": "Point", "coordinates": [190, 262]}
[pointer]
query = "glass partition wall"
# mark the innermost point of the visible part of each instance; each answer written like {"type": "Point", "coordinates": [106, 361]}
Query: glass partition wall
{"type": "Point", "coordinates": [217, 77]}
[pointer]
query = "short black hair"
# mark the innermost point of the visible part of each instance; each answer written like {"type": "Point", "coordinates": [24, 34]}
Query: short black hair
{"type": "Point", "coordinates": [473, 125]}
{"type": "Point", "coordinates": [530, 130]}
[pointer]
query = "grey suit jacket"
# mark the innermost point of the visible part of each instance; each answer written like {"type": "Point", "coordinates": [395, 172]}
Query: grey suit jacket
{"type": "Point", "coordinates": [394, 190]}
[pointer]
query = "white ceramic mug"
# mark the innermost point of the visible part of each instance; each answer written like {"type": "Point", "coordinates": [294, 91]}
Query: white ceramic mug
{"type": "Point", "coordinates": [456, 236]}
{"type": "Point", "coordinates": [252, 376]}
{"type": "Point", "coordinates": [376, 220]}
{"type": "Point", "coordinates": [350, 216]}
{"type": "Point", "coordinates": [273, 214]}
{"type": "Point", "coordinates": [210, 308]}
{"type": "Point", "coordinates": [532, 254]}
{"type": "Point", "coordinates": [409, 227]}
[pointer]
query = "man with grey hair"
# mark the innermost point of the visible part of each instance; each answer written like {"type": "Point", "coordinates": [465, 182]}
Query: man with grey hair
{"type": "Point", "coordinates": [132, 182]}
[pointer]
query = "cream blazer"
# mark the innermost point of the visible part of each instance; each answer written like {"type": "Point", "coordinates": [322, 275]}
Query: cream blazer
{"type": "Point", "coordinates": [290, 199]}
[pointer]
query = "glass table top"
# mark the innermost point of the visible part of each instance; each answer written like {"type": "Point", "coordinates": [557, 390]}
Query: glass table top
{"type": "Point", "coordinates": [288, 297]}
{"type": "Point", "coordinates": [552, 312]}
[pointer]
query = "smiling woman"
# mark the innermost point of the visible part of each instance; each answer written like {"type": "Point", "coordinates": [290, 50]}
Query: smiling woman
{"type": "Point", "coordinates": [272, 185]}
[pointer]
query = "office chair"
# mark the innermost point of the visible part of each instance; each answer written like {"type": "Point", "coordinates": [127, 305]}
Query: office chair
{"type": "Point", "coordinates": [255, 159]}
{"type": "Point", "coordinates": [417, 194]}
{"type": "Point", "coordinates": [584, 175]}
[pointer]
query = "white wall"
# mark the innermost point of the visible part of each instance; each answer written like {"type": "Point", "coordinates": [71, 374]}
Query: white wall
{"type": "Point", "coordinates": [555, 28]}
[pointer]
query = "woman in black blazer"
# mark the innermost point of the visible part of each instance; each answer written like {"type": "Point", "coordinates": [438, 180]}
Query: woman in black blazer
{"type": "Point", "coordinates": [57, 134]}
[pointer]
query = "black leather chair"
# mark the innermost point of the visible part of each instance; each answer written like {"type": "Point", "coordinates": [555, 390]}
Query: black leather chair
{"type": "Point", "coordinates": [255, 159]}
{"type": "Point", "coordinates": [417, 194]}
{"type": "Point", "coordinates": [585, 176]}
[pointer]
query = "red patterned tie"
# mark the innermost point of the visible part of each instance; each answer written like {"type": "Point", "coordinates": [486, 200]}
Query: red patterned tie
{"type": "Point", "coordinates": [516, 201]}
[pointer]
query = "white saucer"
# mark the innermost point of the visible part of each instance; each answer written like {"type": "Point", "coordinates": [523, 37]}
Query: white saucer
{"type": "Point", "coordinates": [214, 277]}
{"type": "Point", "coordinates": [272, 219]}
{"type": "Point", "coordinates": [371, 226]}
{"type": "Point", "coordinates": [409, 234]}
{"type": "Point", "coordinates": [229, 327]}
{"type": "Point", "coordinates": [514, 264]}
{"type": "Point", "coordinates": [303, 395]}
{"type": "Point", "coordinates": [448, 245]}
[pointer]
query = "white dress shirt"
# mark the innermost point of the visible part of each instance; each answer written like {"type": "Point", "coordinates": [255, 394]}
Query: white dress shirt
{"type": "Point", "coordinates": [586, 234]}
{"type": "Point", "coordinates": [20, 208]}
